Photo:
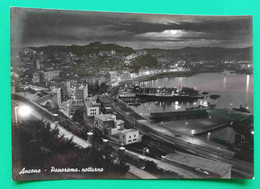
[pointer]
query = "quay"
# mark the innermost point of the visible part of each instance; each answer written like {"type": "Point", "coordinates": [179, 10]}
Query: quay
{"type": "Point", "coordinates": [201, 123]}
{"type": "Point", "coordinates": [178, 115]}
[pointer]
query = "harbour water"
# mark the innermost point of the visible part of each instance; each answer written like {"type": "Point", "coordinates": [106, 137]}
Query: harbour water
{"type": "Point", "coordinates": [234, 90]}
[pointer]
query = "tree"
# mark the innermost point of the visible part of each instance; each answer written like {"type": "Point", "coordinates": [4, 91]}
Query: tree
{"type": "Point", "coordinates": [78, 115]}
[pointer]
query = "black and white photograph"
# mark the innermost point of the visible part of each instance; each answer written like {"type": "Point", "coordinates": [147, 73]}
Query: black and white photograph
{"type": "Point", "coordinates": [109, 95]}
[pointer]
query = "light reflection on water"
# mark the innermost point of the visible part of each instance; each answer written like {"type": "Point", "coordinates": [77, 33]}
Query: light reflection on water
{"type": "Point", "coordinates": [235, 89]}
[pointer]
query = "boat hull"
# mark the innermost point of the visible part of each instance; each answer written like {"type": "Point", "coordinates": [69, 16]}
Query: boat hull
{"type": "Point", "coordinates": [168, 98]}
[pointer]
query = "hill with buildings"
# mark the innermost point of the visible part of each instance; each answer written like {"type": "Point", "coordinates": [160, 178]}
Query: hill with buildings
{"type": "Point", "coordinates": [87, 60]}
{"type": "Point", "coordinates": [186, 54]}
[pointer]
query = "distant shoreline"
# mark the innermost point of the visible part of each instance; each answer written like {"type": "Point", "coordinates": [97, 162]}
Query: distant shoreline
{"type": "Point", "coordinates": [170, 74]}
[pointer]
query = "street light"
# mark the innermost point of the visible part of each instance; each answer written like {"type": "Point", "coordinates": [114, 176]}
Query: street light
{"type": "Point", "coordinates": [121, 151]}
{"type": "Point", "coordinates": [218, 151]}
{"type": "Point", "coordinates": [192, 132]}
{"type": "Point", "coordinates": [122, 148]}
{"type": "Point", "coordinates": [186, 123]}
{"type": "Point", "coordinates": [208, 137]}
{"type": "Point", "coordinates": [23, 111]}
{"type": "Point", "coordinates": [145, 150]}
{"type": "Point", "coordinates": [90, 137]}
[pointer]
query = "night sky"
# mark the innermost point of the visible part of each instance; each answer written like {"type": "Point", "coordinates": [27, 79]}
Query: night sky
{"type": "Point", "coordinates": [40, 27]}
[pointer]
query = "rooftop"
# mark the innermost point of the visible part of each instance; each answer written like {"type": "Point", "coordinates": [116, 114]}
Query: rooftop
{"type": "Point", "coordinates": [106, 117]}
{"type": "Point", "coordinates": [91, 103]}
{"type": "Point", "coordinates": [119, 121]}
{"type": "Point", "coordinates": [125, 131]}
{"type": "Point", "coordinates": [55, 89]}
{"type": "Point", "coordinates": [81, 87]}
{"type": "Point", "coordinates": [178, 113]}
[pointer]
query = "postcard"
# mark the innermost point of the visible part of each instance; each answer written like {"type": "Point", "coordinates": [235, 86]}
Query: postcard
{"type": "Point", "coordinates": [106, 95]}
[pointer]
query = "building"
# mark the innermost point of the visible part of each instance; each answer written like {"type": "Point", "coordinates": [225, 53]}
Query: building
{"type": "Point", "coordinates": [104, 121]}
{"type": "Point", "coordinates": [119, 124]}
{"type": "Point", "coordinates": [103, 77]}
{"type": "Point", "coordinates": [106, 109]}
{"type": "Point", "coordinates": [38, 64]}
{"type": "Point", "coordinates": [129, 136]}
{"type": "Point", "coordinates": [245, 64]}
{"type": "Point", "coordinates": [109, 126]}
{"type": "Point", "coordinates": [51, 75]}
{"type": "Point", "coordinates": [73, 83]}
{"type": "Point", "coordinates": [92, 107]}
{"type": "Point", "coordinates": [112, 52]}
{"type": "Point", "coordinates": [66, 107]}
{"type": "Point", "coordinates": [141, 52]}
{"type": "Point", "coordinates": [36, 77]}
{"type": "Point", "coordinates": [81, 94]}
{"type": "Point", "coordinates": [65, 90]}
{"type": "Point", "coordinates": [106, 53]}
{"type": "Point", "coordinates": [13, 73]}
{"type": "Point", "coordinates": [56, 96]}
{"type": "Point", "coordinates": [112, 75]}
{"type": "Point", "coordinates": [173, 68]}
{"type": "Point", "coordinates": [113, 132]}
{"type": "Point", "coordinates": [29, 52]}
{"type": "Point", "coordinates": [125, 75]}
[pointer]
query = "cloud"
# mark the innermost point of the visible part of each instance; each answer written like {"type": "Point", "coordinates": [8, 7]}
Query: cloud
{"type": "Point", "coordinates": [38, 27]}
{"type": "Point", "coordinates": [170, 35]}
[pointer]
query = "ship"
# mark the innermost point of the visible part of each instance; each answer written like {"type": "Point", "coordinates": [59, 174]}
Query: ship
{"type": "Point", "coordinates": [214, 96]}
{"type": "Point", "coordinates": [174, 97]}
{"type": "Point", "coordinates": [168, 94]}
{"type": "Point", "coordinates": [242, 109]}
